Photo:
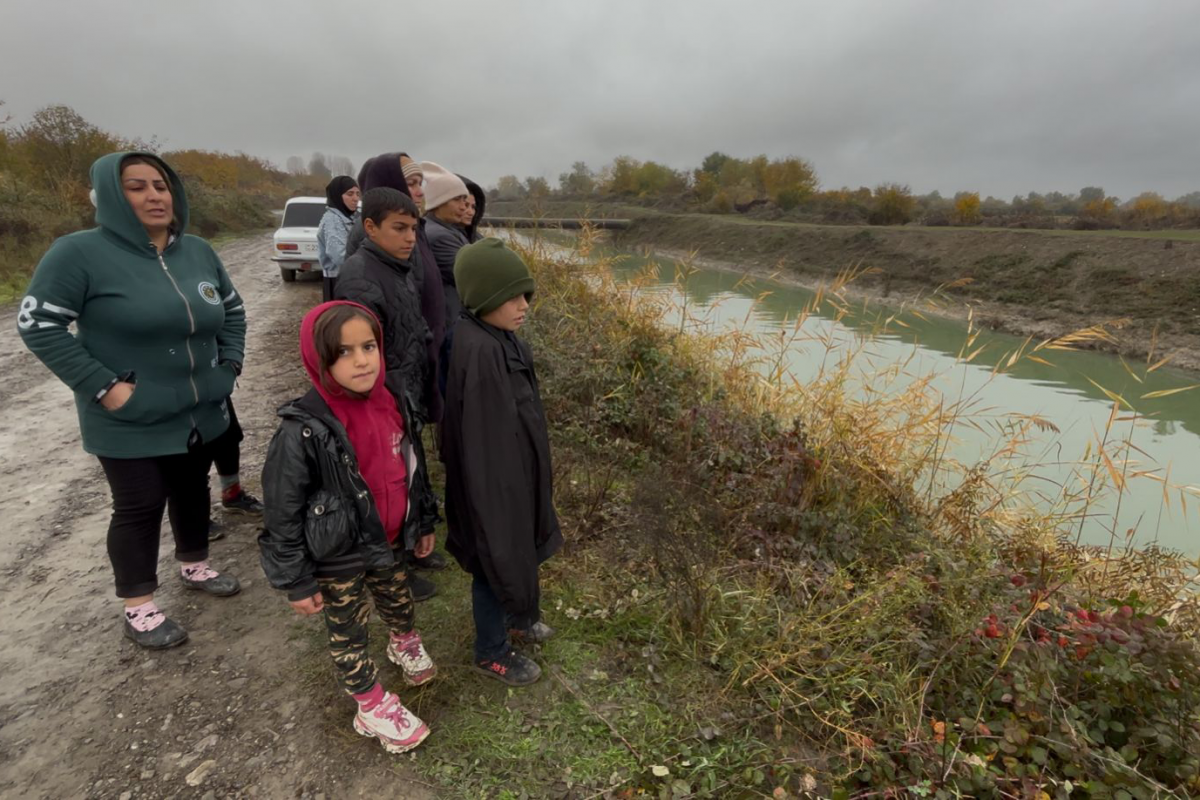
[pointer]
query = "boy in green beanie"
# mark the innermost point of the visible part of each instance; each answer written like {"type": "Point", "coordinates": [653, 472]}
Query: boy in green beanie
{"type": "Point", "coordinates": [499, 506]}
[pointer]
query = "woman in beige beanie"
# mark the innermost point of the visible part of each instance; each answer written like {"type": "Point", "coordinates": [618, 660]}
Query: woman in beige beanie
{"type": "Point", "coordinates": [446, 198]}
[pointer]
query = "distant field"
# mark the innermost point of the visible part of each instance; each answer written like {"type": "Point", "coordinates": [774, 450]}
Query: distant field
{"type": "Point", "coordinates": [571, 208]}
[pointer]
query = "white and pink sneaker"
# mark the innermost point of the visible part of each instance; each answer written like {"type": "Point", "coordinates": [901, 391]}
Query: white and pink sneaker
{"type": "Point", "coordinates": [407, 652]}
{"type": "Point", "coordinates": [397, 729]}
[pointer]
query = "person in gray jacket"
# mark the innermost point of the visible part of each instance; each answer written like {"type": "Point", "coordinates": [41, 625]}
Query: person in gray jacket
{"type": "Point", "coordinates": [446, 197]}
{"type": "Point", "coordinates": [341, 207]}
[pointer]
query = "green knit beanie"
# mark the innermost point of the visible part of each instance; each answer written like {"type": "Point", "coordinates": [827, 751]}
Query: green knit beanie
{"type": "Point", "coordinates": [488, 275]}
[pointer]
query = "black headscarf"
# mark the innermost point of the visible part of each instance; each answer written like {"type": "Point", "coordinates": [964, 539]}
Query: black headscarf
{"type": "Point", "coordinates": [385, 170]}
{"type": "Point", "coordinates": [334, 191]}
{"type": "Point", "coordinates": [480, 202]}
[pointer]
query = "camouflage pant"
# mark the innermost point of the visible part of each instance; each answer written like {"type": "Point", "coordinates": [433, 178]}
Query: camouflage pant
{"type": "Point", "coordinates": [346, 615]}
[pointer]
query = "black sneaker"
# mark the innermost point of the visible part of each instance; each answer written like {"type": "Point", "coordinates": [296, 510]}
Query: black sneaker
{"type": "Point", "coordinates": [434, 560]}
{"type": "Point", "coordinates": [214, 583]}
{"type": "Point", "coordinates": [538, 633]}
{"type": "Point", "coordinates": [243, 503]}
{"type": "Point", "coordinates": [215, 530]}
{"type": "Point", "coordinates": [168, 634]}
{"type": "Point", "coordinates": [513, 669]}
{"type": "Point", "coordinates": [421, 588]}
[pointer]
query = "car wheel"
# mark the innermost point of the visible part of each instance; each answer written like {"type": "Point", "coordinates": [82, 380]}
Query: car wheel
{"type": "Point", "coordinates": [288, 275]}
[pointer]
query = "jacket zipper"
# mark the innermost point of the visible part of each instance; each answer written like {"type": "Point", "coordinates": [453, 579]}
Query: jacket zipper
{"type": "Point", "coordinates": [191, 322]}
{"type": "Point", "coordinates": [361, 490]}
{"type": "Point", "coordinates": [365, 492]}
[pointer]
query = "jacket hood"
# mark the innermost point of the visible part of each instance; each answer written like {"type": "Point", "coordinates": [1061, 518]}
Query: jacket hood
{"type": "Point", "coordinates": [480, 204]}
{"type": "Point", "coordinates": [362, 172]}
{"type": "Point", "coordinates": [334, 396]}
{"type": "Point", "coordinates": [113, 212]}
{"type": "Point", "coordinates": [373, 424]}
{"type": "Point", "coordinates": [384, 170]}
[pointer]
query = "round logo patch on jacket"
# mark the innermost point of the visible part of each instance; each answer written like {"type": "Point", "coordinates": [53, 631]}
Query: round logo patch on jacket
{"type": "Point", "coordinates": [209, 293]}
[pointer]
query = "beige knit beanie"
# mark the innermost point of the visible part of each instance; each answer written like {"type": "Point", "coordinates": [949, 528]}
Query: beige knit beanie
{"type": "Point", "coordinates": [440, 185]}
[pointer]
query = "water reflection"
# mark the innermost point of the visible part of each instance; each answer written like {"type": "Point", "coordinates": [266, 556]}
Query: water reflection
{"type": "Point", "coordinates": [1065, 391]}
{"type": "Point", "coordinates": [778, 305]}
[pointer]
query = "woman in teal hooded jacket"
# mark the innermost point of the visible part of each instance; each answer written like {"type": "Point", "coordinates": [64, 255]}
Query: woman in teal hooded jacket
{"type": "Point", "coordinates": [159, 342]}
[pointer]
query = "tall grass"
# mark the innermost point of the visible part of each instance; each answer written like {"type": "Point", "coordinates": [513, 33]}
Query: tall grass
{"type": "Point", "coordinates": [900, 618]}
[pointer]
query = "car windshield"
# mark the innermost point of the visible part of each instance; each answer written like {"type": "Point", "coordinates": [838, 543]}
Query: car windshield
{"type": "Point", "coordinates": [303, 215]}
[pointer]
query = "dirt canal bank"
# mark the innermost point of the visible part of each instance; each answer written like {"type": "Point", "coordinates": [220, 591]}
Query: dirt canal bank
{"type": "Point", "coordinates": [1035, 283]}
{"type": "Point", "coordinates": [83, 712]}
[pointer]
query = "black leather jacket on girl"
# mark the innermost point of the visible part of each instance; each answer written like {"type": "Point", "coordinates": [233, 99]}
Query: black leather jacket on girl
{"type": "Point", "coordinates": [320, 518]}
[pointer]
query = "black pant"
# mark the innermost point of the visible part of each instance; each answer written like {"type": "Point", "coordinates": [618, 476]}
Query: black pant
{"type": "Point", "coordinates": [226, 449]}
{"type": "Point", "coordinates": [491, 622]}
{"type": "Point", "coordinates": [141, 487]}
{"type": "Point", "coordinates": [328, 285]}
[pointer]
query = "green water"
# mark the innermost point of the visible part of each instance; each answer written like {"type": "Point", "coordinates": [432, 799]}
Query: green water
{"type": "Point", "coordinates": [1168, 433]}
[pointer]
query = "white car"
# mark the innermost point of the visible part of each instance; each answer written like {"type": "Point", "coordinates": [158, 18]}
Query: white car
{"type": "Point", "coordinates": [295, 247]}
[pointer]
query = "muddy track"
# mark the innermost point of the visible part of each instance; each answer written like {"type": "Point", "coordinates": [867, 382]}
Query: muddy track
{"type": "Point", "coordinates": [83, 712]}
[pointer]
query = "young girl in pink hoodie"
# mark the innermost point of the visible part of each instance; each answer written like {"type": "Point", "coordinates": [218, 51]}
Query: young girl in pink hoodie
{"type": "Point", "coordinates": [336, 486]}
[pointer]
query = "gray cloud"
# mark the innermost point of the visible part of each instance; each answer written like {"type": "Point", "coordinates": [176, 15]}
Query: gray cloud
{"type": "Point", "coordinates": [1003, 98]}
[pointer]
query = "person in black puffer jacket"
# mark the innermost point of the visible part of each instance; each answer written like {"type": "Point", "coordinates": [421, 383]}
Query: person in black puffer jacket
{"type": "Point", "coordinates": [381, 276]}
{"type": "Point", "coordinates": [387, 285]}
{"type": "Point", "coordinates": [400, 172]}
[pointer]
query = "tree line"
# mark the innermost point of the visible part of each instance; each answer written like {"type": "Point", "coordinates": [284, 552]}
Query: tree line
{"type": "Point", "coordinates": [320, 165]}
{"type": "Point", "coordinates": [44, 184]}
{"type": "Point", "coordinates": [789, 188]}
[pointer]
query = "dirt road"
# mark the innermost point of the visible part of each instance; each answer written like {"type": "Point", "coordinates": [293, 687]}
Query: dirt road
{"type": "Point", "coordinates": [85, 713]}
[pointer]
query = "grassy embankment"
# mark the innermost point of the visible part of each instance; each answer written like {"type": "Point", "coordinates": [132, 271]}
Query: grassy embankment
{"type": "Point", "coordinates": [770, 589]}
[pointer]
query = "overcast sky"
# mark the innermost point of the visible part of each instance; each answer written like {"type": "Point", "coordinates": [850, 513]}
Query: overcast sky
{"type": "Point", "coordinates": [998, 97]}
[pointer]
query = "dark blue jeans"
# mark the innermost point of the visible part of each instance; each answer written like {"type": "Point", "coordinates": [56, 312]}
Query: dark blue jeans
{"type": "Point", "coordinates": [491, 622]}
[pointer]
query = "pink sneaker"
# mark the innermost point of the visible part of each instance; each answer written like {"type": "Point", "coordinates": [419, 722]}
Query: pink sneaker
{"type": "Point", "coordinates": [397, 729]}
{"type": "Point", "coordinates": [409, 655]}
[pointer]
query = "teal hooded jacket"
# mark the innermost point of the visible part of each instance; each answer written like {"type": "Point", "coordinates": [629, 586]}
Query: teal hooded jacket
{"type": "Point", "coordinates": [170, 322]}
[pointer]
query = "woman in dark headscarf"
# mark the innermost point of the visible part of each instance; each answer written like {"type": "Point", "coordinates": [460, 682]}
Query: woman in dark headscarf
{"type": "Point", "coordinates": [473, 217]}
{"type": "Point", "coordinates": [341, 201]}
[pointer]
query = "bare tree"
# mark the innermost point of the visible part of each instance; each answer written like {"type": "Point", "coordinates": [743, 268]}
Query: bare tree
{"type": "Point", "coordinates": [340, 165]}
{"type": "Point", "coordinates": [318, 167]}
{"type": "Point", "coordinates": [295, 165]}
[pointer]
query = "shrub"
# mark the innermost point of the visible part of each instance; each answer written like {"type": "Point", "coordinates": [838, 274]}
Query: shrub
{"type": "Point", "coordinates": [892, 204]}
{"type": "Point", "coordinates": [721, 203]}
{"type": "Point", "coordinates": [966, 209]}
